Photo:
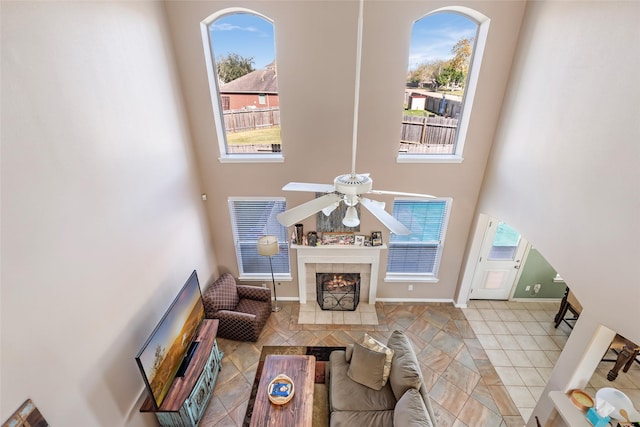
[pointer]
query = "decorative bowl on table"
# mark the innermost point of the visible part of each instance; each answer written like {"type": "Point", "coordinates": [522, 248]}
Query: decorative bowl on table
{"type": "Point", "coordinates": [581, 400]}
{"type": "Point", "coordinates": [280, 390]}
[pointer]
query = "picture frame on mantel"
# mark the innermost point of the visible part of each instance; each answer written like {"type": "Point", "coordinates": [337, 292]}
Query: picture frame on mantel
{"type": "Point", "coordinates": [376, 238]}
{"type": "Point", "coordinates": [347, 238]}
{"type": "Point", "coordinates": [358, 240]}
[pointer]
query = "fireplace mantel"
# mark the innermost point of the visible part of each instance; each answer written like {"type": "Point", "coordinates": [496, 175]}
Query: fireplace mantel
{"type": "Point", "coordinates": [337, 254]}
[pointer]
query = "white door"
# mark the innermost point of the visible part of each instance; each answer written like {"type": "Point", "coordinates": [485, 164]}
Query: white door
{"type": "Point", "coordinates": [499, 262]}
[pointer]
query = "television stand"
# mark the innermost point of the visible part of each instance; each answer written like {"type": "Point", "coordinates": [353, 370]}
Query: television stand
{"type": "Point", "coordinates": [189, 395]}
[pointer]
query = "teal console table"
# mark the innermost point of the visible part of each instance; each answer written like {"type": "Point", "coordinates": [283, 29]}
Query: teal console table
{"type": "Point", "coordinates": [189, 395]}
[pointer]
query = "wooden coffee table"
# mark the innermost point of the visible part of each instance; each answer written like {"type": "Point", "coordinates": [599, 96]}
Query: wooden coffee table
{"type": "Point", "coordinates": [299, 410]}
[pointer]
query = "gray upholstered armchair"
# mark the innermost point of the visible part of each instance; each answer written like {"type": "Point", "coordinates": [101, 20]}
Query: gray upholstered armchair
{"type": "Point", "coordinates": [242, 310]}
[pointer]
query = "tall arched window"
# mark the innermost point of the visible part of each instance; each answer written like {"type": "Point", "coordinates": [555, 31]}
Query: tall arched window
{"type": "Point", "coordinates": [243, 80]}
{"type": "Point", "coordinates": [441, 78]}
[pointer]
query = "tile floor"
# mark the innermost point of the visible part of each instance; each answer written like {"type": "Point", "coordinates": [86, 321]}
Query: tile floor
{"type": "Point", "coordinates": [484, 366]}
{"type": "Point", "coordinates": [364, 314]}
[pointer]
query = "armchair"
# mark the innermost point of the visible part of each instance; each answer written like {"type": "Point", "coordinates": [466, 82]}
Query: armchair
{"type": "Point", "coordinates": [241, 310]}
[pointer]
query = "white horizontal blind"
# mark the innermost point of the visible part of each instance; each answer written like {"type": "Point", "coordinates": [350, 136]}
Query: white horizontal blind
{"type": "Point", "coordinates": [251, 219]}
{"type": "Point", "coordinates": [420, 251]}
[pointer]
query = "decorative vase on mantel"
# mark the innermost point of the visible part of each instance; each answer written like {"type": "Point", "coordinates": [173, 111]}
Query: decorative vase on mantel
{"type": "Point", "coordinates": [299, 234]}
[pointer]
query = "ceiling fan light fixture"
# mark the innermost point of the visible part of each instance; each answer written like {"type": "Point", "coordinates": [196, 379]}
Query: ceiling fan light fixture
{"type": "Point", "coordinates": [351, 217]}
{"type": "Point", "coordinates": [329, 209]}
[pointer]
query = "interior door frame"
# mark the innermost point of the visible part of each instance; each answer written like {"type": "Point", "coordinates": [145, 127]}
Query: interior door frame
{"type": "Point", "coordinates": [473, 256]}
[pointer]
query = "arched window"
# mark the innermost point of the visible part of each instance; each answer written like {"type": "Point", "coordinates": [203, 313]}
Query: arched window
{"type": "Point", "coordinates": [243, 80]}
{"type": "Point", "coordinates": [444, 60]}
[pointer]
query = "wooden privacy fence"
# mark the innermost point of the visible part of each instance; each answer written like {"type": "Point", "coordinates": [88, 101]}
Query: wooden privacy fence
{"type": "Point", "coordinates": [432, 130]}
{"type": "Point", "coordinates": [242, 120]}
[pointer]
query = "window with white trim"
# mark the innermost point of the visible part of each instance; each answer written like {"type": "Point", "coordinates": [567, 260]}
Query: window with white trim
{"type": "Point", "coordinates": [252, 218]}
{"type": "Point", "coordinates": [241, 66]}
{"type": "Point", "coordinates": [444, 61]}
{"type": "Point", "coordinates": [417, 256]}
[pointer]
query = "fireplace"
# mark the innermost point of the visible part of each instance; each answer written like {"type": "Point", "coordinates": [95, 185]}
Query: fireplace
{"type": "Point", "coordinates": [338, 259]}
{"type": "Point", "coordinates": [338, 291]}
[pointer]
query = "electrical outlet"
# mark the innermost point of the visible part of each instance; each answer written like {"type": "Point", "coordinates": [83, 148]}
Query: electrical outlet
{"type": "Point", "coordinates": [264, 285]}
{"type": "Point", "coordinates": [536, 287]}
{"type": "Point", "coordinates": [527, 289]}
{"type": "Point", "coordinates": [410, 287]}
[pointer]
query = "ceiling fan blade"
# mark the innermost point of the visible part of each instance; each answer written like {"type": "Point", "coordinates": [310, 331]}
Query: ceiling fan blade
{"type": "Point", "coordinates": [300, 212]}
{"type": "Point", "coordinates": [400, 193]}
{"type": "Point", "coordinates": [384, 217]}
{"type": "Point", "coordinates": [307, 186]}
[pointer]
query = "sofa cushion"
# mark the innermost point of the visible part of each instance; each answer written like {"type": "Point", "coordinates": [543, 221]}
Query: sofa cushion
{"type": "Point", "coordinates": [222, 294]}
{"type": "Point", "coordinates": [362, 418]}
{"type": "Point", "coordinates": [410, 411]}
{"type": "Point", "coordinates": [348, 395]}
{"type": "Point", "coordinates": [405, 370]}
{"type": "Point", "coordinates": [375, 345]}
{"type": "Point", "coordinates": [367, 367]}
{"type": "Point", "coordinates": [348, 352]}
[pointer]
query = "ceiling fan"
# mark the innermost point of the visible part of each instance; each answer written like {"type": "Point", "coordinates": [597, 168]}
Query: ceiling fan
{"type": "Point", "coordinates": [347, 188]}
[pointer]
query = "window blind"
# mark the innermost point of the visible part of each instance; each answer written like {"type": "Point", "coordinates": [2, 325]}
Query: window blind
{"type": "Point", "coordinates": [420, 251]}
{"type": "Point", "coordinates": [252, 219]}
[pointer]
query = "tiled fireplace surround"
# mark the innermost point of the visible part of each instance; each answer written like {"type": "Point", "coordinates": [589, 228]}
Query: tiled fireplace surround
{"type": "Point", "coordinates": [338, 259]}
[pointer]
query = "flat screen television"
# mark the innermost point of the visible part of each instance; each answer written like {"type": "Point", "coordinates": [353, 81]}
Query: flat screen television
{"type": "Point", "coordinates": [167, 352]}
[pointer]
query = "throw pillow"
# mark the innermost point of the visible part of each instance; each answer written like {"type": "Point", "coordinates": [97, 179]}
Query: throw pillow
{"type": "Point", "coordinates": [366, 367]}
{"type": "Point", "coordinates": [222, 294]}
{"type": "Point", "coordinates": [375, 345]}
{"type": "Point", "coordinates": [410, 411]}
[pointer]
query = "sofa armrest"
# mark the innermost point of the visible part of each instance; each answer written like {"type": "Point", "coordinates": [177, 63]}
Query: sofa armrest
{"type": "Point", "coordinates": [254, 292]}
{"type": "Point", "coordinates": [234, 315]}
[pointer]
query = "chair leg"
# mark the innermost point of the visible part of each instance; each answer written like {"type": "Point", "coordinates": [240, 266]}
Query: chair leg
{"type": "Point", "coordinates": [564, 306]}
{"type": "Point", "coordinates": [631, 360]}
{"type": "Point", "coordinates": [625, 356]}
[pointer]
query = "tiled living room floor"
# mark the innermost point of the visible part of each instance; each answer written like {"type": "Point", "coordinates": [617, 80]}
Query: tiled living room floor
{"type": "Point", "coordinates": [484, 366]}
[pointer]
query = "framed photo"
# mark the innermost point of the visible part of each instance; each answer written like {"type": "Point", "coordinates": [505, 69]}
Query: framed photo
{"type": "Point", "coordinates": [376, 238]}
{"type": "Point", "coordinates": [338, 238]}
{"type": "Point", "coordinates": [359, 240]}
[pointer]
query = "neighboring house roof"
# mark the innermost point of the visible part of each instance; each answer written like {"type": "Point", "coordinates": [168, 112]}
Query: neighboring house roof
{"type": "Point", "coordinates": [259, 81]}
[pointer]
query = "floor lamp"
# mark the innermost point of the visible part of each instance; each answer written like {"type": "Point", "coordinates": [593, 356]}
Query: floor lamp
{"type": "Point", "coordinates": [268, 246]}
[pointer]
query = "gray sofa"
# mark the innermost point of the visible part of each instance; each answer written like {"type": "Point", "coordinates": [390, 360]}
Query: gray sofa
{"type": "Point", "coordinates": [401, 402]}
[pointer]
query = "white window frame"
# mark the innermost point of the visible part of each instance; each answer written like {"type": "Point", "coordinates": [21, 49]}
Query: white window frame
{"type": "Point", "coordinates": [214, 91]}
{"type": "Point", "coordinates": [419, 276]}
{"type": "Point", "coordinates": [277, 229]}
{"type": "Point", "coordinates": [469, 93]}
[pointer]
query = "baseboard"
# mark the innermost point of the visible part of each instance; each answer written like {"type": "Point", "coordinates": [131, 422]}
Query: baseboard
{"type": "Point", "coordinates": [398, 300]}
{"type": "Point", "coordinates": [536, 299]}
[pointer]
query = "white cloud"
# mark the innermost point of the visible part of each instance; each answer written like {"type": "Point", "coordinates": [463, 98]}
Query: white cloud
{"type": "Point", "coordinates": [230, 27]}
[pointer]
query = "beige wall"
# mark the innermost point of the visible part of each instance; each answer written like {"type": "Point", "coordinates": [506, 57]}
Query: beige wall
{"type": "Point", "coordinates": [315, 47]}
{"type": "Point", "coordinates": [564, 170]}
{"type": "Point", "coordinates": [101, 217]}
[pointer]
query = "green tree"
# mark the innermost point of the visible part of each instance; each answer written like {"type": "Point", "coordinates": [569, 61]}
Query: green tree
{"type": "Point", "coordinates": [462, 54]}
{"type": "Point", "coordinates": [233, 66]}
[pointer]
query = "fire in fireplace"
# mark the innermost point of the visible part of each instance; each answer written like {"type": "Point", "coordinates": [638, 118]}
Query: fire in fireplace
{"type": "Point", "coordinates": [338, 291]}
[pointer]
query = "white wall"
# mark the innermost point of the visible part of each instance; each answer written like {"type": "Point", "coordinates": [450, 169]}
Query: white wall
{"type": "Point", "coordinates": [564, 170]}
{"type": "Point", "coordinates": [101, 217]}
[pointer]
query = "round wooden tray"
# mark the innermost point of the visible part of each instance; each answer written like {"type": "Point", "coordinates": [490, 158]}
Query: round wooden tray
{"type": "Point", "coordinates": [280, 400]}
{"type": "Point", "coordinates": [581, 400]}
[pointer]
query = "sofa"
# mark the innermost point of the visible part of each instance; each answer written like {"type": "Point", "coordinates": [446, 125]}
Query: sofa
{"type": "Point", "coordinates": [359, 395]}
{"type": "Point", "coordinates": [242, 311]}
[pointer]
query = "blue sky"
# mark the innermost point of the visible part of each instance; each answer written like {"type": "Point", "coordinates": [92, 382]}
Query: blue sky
{"type": "Point", "coordinates": [251, 36]}
{"type": "Point", "coordinates": [433, 37]}
{"type": "Point", "coordinates": [246, 35]}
